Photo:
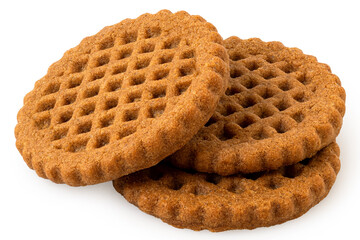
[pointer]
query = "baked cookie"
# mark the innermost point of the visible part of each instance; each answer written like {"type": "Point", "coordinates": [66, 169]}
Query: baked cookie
{"type": "Point", "coordinates": [123, 99]}
{"type": "Point", "coordinates": [281, 106]}
{"type": "Point", "coordinates": [217, 203]}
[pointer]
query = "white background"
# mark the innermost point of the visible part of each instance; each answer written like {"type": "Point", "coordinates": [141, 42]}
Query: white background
{"type": "Point", "coordinates": [35, 34]}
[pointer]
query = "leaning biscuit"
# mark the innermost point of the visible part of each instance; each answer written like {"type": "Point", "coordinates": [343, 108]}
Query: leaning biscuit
{"type": "Point", "coordinates": [123, 99]}
{"type": "Point", "coordinates": [281, 106]}
{"type": "Point", "coordinates": [217, 203]}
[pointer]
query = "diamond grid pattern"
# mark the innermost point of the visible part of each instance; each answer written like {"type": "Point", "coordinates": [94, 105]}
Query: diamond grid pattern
{"type": "Point", "coordinates": [257, 104]}
{"type": "Point", "coordinates": [82, 104]}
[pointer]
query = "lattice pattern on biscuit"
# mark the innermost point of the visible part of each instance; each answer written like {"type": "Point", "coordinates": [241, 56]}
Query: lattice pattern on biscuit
{"type": "Point", "coordinates": [118, 98]}
{"type": "Point", "coordinates": [259, 96]}
{"type": "Point", "coordinates": [260, 88]}
{"type": "Point", "coordinates": [209, 201]}
{"type": "Point", "coordinates": [149, 68]}
{"type": "Point", "coordinates": [270, 99]}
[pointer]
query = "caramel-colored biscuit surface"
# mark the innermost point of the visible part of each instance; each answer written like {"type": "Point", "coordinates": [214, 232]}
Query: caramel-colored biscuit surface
{"type": "Point", "coordinates": [123, 99]}
{"type": "Point", "coordinates": [281, 106]}
{"type": "Point", "coordinates": [217, 203]}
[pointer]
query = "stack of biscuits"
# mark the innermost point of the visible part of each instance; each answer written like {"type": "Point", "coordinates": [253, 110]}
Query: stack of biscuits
{"type": "Point", "coordinates": [201, 132]}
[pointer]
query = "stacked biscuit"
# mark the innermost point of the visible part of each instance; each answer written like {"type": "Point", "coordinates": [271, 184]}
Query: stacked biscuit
{"type": "Point", "coordinates": [201, 132]}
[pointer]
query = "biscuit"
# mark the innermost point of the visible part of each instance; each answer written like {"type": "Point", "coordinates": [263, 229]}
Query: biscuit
{"type": "Point", "coordinates": [123, 99]}
{"type": "Point", "coordinates": [244, 201]}
{"type": "Point", "coordinates": [281, 106]}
